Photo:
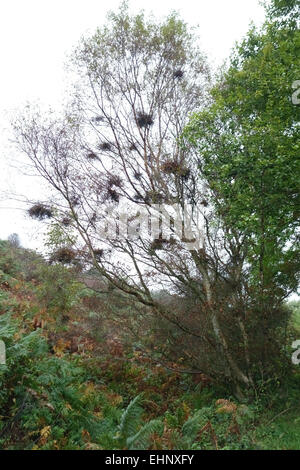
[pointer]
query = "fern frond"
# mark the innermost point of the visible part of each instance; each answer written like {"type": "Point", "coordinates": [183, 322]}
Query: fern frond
{"type": "Point", "coordinates": [140, 440]}
{"type": "Point", "coordinates": [195, 423]}
{"type": "Point", "coordinates": [131, 418]}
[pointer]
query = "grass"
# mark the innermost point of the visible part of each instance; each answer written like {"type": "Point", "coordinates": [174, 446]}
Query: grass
{"type": "Point", "coordinates": [281, 433]}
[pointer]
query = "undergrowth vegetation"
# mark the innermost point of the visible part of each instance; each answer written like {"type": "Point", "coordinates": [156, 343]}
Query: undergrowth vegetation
{"type": "Point", "coordinates": [97, 393]}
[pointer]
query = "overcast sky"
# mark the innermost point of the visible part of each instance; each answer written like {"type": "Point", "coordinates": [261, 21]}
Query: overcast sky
{"type": "Point", "coordinates": [36, 36]}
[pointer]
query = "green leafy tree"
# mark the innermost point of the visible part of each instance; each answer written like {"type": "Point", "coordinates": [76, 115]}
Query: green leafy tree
{"type": "Point", "coordinates": [248, 142]}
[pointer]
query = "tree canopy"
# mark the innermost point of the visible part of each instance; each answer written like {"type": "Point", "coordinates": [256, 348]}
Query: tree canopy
{"type": "Point", "coordinates": [248, 145]}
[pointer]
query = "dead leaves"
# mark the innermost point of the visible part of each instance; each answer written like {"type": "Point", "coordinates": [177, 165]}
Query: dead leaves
{"type": "Point", "coordinates": [61, 346]}
{"type": "Point", "coordinates": [44, 435]}
{"type": "Point", "coordinates": [226, 406]}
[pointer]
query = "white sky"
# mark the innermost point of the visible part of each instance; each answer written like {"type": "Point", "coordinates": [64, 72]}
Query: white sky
{"type": "Point", "coordinates": [35, 37]}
